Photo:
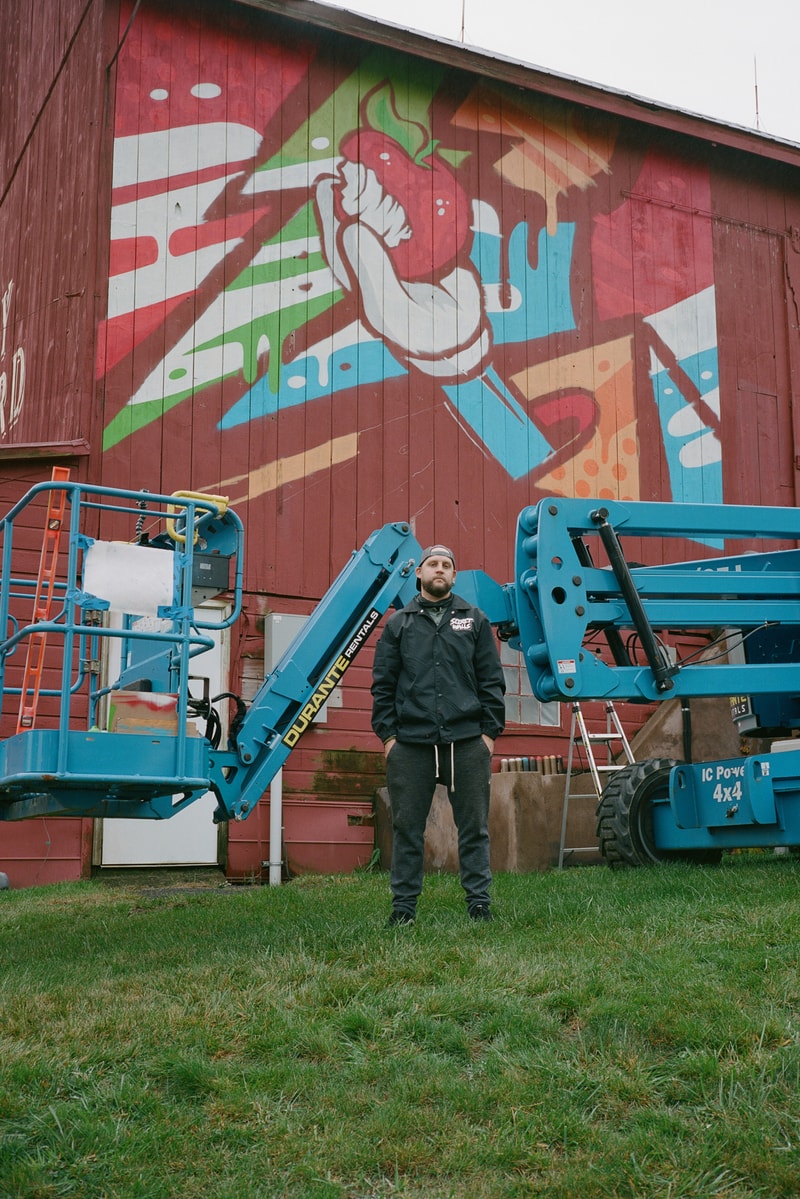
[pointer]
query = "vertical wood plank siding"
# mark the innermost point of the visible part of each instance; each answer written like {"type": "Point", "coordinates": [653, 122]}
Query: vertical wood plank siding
{"type": "Point", "coordinates": [346, 284]}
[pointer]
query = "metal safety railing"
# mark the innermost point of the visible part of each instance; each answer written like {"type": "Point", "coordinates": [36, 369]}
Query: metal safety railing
{"type": "Point", "coordinates": [117, 569]}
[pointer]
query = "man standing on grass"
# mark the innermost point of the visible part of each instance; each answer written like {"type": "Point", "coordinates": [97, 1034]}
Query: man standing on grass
{"type": "Point", "coordinates": [438, 706]}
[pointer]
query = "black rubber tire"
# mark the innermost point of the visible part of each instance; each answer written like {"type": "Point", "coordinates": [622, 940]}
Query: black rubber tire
{"type": "Point", "coordinates": [625, 817]}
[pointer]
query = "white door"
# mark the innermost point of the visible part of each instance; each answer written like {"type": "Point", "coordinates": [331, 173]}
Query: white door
{"type": "Point", "coordinates": [190, 838]}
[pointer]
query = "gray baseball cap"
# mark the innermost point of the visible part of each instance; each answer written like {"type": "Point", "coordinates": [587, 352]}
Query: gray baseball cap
{"type": "Point", "coordinates": [435, 551]}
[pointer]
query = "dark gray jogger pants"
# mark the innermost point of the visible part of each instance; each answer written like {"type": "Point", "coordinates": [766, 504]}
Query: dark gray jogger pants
{"type": "Point", "coordinates": [411, 776]}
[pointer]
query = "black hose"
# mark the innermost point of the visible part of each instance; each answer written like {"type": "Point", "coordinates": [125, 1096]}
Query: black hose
{"type": "Point", "coordinates": [238, 719]}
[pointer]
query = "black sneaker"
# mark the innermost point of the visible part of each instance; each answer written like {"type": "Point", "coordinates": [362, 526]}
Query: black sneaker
{"type": "Point", "coordinates": [480, 911]}
{"type": "Point", "coordinates": [399, 916]}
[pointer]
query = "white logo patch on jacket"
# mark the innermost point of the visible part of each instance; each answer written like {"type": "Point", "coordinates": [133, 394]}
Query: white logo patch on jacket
{"type": "Point", "coordinates": [461, 624]}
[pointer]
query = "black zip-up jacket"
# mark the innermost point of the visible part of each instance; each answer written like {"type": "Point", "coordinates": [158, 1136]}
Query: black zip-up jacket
{"type": "Point", "coordinates": [436, 685]}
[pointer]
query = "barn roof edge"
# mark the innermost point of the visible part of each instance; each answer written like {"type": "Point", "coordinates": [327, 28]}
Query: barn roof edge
{"type": "Point", "coordinates": [529, 75]}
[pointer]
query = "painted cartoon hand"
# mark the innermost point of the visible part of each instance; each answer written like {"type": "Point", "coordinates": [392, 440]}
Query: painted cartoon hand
{"type": "Point", "coordinates": [361, 196]}
{"type": "Point", "coordinates": [434, 324]}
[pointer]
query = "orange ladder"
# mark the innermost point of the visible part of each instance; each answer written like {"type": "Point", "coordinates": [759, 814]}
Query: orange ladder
{"type": "Point", "coordinates": [42, 602]}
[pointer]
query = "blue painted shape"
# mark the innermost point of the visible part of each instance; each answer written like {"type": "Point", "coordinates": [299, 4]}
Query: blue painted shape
{"type": "Point", "coordinates": [546, 300]}
{"type": "Point", "coordinates": [485, 404]}
{"type": "Point", "coordinates": [357, 365]}
{"type": "Point", "coordinates": [500, 421]}
{"type": "Point", "coordinates": [689, 484]}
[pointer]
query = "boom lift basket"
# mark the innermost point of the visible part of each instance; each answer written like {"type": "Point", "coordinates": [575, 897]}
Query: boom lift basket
{"type": "Point", "coordinates": [139, 595]}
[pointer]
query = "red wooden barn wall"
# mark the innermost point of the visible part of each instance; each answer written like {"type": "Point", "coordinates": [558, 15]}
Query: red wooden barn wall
{"type": "Point", "coordinates": [344, 284]}
{"type": "Point", "coordinates": [52, 79]}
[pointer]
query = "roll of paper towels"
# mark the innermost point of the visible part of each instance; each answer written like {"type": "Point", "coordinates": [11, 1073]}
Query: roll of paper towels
{"type": "Point", "coordinates": [133, 578]}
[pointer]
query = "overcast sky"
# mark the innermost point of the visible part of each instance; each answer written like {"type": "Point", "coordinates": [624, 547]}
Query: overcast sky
{"type": "Point", "coordinates": [705, 56]}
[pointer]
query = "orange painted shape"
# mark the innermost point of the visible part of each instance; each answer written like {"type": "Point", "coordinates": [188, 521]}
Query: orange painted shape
{"type": "Point", "coordinates": [607, 466]}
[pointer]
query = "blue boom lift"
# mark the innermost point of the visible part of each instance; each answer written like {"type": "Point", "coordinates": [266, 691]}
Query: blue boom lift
{"type": "Point", "coordinates": [122, 575]}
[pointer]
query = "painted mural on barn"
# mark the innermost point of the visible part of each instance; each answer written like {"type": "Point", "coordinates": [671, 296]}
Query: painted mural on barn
{"type": "Point", "coordinates": [12, 368]}
{"type": "Point", "coordinates": [292, 225]}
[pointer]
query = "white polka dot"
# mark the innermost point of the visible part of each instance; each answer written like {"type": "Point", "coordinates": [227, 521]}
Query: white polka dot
{"type": "Point", "coordinates": [701, 451]}
{"type": "Point", "coordinates": [159, 93]}
{"type": "Point", "coordinates": [206, 91]}
{"type": "Point", "coordinates": [296, 382]}
{"type": "Point", "coordinates": [320, 143]}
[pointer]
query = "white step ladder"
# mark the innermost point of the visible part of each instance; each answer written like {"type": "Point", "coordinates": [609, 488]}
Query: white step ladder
{"type": "Point", "coordinates": [579, 735]}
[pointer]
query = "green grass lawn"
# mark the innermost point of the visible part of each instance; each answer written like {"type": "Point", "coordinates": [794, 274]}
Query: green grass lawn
{"type": "Point", "coordinates": [610, 1034]}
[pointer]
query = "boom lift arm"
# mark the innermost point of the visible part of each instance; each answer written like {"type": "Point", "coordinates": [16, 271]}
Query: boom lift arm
{"type": "Point", "coordinates": [378, 575]}
{"type": "Point", "coordinates": [567, 605]}
{"type": "Point", "coordinates": [574, 615]}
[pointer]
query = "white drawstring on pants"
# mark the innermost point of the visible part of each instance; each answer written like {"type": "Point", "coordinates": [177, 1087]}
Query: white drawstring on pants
{"type": "Point", "coordinates": [452, 765]}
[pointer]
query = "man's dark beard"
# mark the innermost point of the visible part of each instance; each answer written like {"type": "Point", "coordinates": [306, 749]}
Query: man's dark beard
{"type": "Point", "coordinates": [439, 588]}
